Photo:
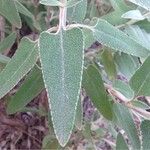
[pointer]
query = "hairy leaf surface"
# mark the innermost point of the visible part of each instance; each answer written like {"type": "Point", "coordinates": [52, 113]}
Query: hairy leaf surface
{"type": "Point", "coordinates": [62, 64]}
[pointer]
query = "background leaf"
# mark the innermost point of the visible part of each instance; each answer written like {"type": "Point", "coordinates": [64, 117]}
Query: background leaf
{"type": "Point", "coordinates": [141, 79]}
{"type": "Point", "coordinates": [125, 121]}
{"type": "Point", "coordinates": [110, 36]}
{"type": "Point", "coordinates": [31, 87]}
{"type": "Point", "coordinates": [145, 129]}
{"type": "Point", "coordinates": [20, 64]}
{"type": "Point", "coordinates": [93, 85]}
{"type": "Point", "coordinates": [121, 143]}
{"type": "Point", "coordinates": [9, 11]}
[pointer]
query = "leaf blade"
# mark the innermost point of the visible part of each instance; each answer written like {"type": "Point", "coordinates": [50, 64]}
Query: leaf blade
{"type": "Point", "coordinates": [64, 54]}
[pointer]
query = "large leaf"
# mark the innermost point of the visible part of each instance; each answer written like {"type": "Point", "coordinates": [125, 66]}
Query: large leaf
{"type": "Point", "coordinates": [7, 42]}
{"type": "Point", "coordinates": [125, 120]}
{"type": "Point", "coordinates": [62, 64]}
{"type": "Point", "coordinates": [145, 128]}
{"type": "Point", "coordinates": [78, 12]}
{"type": "Point", "coordinates": [143, 3]}
{"type": "Point", "coordinates": [23, 60]}
{"type": "Point", "coordinates": [121, 143]}
{"type": "Point", "coordinates": [110, 36]}
{"type": "Point", "coordinates": [9, 11]}
{"type": "Point", "coordinates": [93, 85]}
{"type": "Point", "coordinates": [31, 87]}
{"type": "Point", "coordinates": [141, 79]}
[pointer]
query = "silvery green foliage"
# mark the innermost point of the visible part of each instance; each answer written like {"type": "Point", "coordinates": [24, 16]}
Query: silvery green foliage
{"type": "Point", "coordinates": [107, 56]}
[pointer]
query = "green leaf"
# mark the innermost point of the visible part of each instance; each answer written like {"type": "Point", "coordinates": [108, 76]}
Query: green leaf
{"type": "Point", "coordinates": [51, 2]}
{"type": "Point", "coordinates": [112, 37]}
{"type": "Point", "coordinates": [141, 79]}
{"type": "Point", "coordinates": [79, 115]}
{"type": "Point", "coordinates": [121, 143]}
{"type": "Point", "coordinates": [145, 128]}
{"type": "Point", "coordinates": [9, 11]}
{"type": "Point", "coordinates": [133, 14]}
{"type": "Point", "coordinates": [143, 3]}
{"type": "Point", "coordinates": [140, 104]}
{"type": "Point", "coordinates": [71, 3]}
{"type": "Point", "coordinates": [127, 64]}
{"type": "Point", "coordinates": [62, 64]}
{"type": "Point", "coordinates": [114, 17]}
{"type": "Point", "coordinates": [31, 87]}
{"type": "Point", "coordinates": [125, 120]}
{"type": "Point", "coordinates": [23, 10]}
{"type": "Point", "coordinates": [123, 88]}
{"type": "Point", "coordinates": [109, 64]}
{"type": "Point", "coordinates": [20, 64]}
{"type": "Point", "coordinates": [7, 42]}
{"type": "Point", "coordinates": [78, 12]}
{"type": "Point", "coordinates": [93, 85]}
{"type": "Point", "coordinates": [88, 38]}
{"type": "Point", "coordinates": [141, 36]}
{"type": "Point", "coordinates": [4, 59]}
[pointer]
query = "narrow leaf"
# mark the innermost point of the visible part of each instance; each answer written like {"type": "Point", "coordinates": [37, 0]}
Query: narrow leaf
{"type": "Point", "coordinates": [110, 36]}
{"type": "Point", "coordinates": [9, 11]}
{"type": "Point", "coordinates": [62, 64]}
{"type": "Point", "coordinates": [20, 64]}
{"type": "Point", "coordinates": [4, 59]}
{"type": "Point", "coordinates": [125, 121]}
{"type": "Point", "coordinates": [93, 85]}
{"type": "Point", "coordinates": [121, 143]}
{"type": "Point", "coordinates": [31, 87]}
{"type": "Point", "coordinates": [145, 129]}
{"type": "Point", "coordinates": [141, 79]}
{"type": "Point", "coordinates": [143, 3]}
{"type": "Point", "coordinates": [51, 2]}
{"type": "Point", "coordinates": [7, 42]}
{"type": "Point", "coordinates": [109, 64]}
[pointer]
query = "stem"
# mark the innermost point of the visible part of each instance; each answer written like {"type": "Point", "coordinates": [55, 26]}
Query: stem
{"type": "Point", "coordinates": [62, 16]}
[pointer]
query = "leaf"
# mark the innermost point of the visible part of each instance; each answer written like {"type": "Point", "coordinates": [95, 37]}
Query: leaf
{"type": "Point", "coordinates": [31, 87]}
{"type": "Point", "coordinates": [49, 142]}
{"type": "Point", "coordinates": [71, 3]}
{"type": "Point", "coordinates": [120, 8]}
{"type": "Point", "coordinates": [23, 10]}
{"type": "Point", "coordinates": [88, 38]}
{"type": "Point", "coordinates": [140, 104]}
{"type": "Point", "coordinates": [141, 79]}
{"type": "Point", "coordinates": [20, 64]}
{"type": "Point", "coordinates": [145, 129]}
{"type": "Point", "coordinates": [143, 3]}
{"type": "Point", "coordinates": [79, 115]}
{"type": "Point", "coordinates": [93, 85]}
{"type": "Point", "coordinates": [7, 42]}
{"type": "Point", "coordinates": [141, 36]}
{"type": "Point", "coordinates": [121, 143]}
{"type": "Point", "coordinates": [109, 64]}
{"type": "Point", "coordinates": [133, 14]}
{"type": "Point", "coordinates": [9, 11]}
{"type": "Point", "coordinates": [125, 120]}
{"type": "Point", "coordinates": [62, 64]}
{"type": "Point", "coordinates": [78, 12]}
{"type": "Point", "coordinates": [51, 2]}
{"type": "Point", "coordinates": [110, 36]}
{"type": "Point", "coordinates": [124, 88]}
{"type": "Point", "coordinates": [127, 64]}
{"type": "Point", "coordinates": [4, 59]}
